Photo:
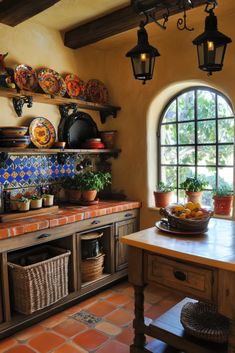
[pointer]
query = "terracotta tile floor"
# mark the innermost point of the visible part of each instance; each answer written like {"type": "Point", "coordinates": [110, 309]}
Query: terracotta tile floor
{"type": "Point", "coordinates": [100, 324]}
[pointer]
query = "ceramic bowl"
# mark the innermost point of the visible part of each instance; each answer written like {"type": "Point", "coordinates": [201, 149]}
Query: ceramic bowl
{"type": "Point", "coordinates": [18, 142]}
{"type": "Point", "coordinates": [13, 131]}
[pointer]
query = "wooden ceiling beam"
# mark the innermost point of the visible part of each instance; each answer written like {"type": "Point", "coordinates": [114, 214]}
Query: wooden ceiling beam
{"type": "Point", "coordinates": [13, 12]}
{"type": "Point", "coordinates": [114, 23]}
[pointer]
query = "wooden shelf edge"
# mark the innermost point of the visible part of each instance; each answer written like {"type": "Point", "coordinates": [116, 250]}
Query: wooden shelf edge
{"type": "Point", "coordinates": [13, 150]}
{"type": "Point", "coordinates": [56, 100]}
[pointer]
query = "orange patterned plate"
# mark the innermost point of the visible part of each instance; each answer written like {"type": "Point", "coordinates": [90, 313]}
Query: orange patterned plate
{"type": "Point", "coordinates": [75, 86]}
{"type": "Point", "coordinates": [51, 82]}
{"type": "Point", "coordinates": [42, 133]}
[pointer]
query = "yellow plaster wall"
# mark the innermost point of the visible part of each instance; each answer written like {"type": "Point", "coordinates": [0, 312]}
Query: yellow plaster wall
{"type": "Point", "coordinates": [142, 104]}
{"type": "Point", "coordinates": [39, 46]}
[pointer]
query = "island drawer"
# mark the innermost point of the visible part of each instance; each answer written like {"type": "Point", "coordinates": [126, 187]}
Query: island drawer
{"type": "Point", "coordinates": [192, 280]}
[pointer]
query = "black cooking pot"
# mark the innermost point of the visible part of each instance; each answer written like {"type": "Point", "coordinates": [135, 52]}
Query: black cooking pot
{"type": "Point", "coordinates": [90, 248]}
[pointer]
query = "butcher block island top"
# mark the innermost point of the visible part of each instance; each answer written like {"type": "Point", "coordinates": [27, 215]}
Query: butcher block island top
{"type": "Point", "coordinates": [65, 215]}
{"type": "Point", "coordinates": [214, 248]}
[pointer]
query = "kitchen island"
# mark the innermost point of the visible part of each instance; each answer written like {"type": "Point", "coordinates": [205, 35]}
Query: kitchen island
{"type": "Point", "coordinates": [63, 229]}
{"type": "Point", "coordinates": [199, 266]}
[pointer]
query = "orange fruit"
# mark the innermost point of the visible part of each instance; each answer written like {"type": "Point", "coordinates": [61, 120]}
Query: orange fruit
{"type": "Point", "coordinates": [190, 205]}
{"type": "Point", "coordinates": [182, 215]}
{"type": "Point", "coordinates": [198, 214]}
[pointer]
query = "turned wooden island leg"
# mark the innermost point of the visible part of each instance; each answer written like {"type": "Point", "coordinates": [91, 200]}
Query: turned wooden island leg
{"type": "Point", "coordinates": [231, 338]}
{"type": "Point", "coordinates": [136, 278]}
{"type": "Point", "coordinates": [139, 337]}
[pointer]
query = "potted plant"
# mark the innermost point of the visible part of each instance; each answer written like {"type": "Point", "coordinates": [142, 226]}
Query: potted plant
{"type": "Point", "coordinates": [163, 195]}
{"type": "Point", "coordinates": [73, 187]}
{"type": "Point", "coordinates": [36, 201]}
{"type": "Point", "coordinates": [93, 182]}
{"type": "Point", "coordinates": [23, 204]}
{"type": "Point", "coordinates": [223, 200]}
{"type": "Point", "coordinates": [194, 188]}
{"type": "Point", "coordinates": [48, 200]}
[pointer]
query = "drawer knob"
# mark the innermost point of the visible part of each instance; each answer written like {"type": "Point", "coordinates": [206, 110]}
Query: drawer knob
{"type": "Point", "coordinates": [44, 235]}
{"type": "Point", "coordinates": [128, 214]}
{"type": "Point", "coordinates": [96, 221]}
{"type": "Point", "coordinates": [181, 276]}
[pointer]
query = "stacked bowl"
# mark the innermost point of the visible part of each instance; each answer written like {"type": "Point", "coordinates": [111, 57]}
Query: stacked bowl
{"type": "Point", "coordinates": [93, 143]}
{"type": "Point", "coordinates": [14, 136]}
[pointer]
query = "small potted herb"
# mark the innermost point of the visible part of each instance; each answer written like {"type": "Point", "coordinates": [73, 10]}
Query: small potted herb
{"type": "Point", "coordinates": [72, 186]}
{"type": "Point", "coordinates": [194, 188]}
{"type": "Point", "coordinates": [23, 204]}
{"type": "Point", "coordinates": [36, 201]}
{"type": "Point", "coordinates": [48, 200]}
{"type": "Point", "coordinates": [223, 200]}
{"type": "Point", "coordinates": [93, 182]}
{"type": "Point", "coordinates": [163, 194]}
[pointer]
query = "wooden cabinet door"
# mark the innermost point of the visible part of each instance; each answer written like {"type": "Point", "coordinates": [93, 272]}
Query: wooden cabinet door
{"type": "Point", "coordinates": [123, 228]}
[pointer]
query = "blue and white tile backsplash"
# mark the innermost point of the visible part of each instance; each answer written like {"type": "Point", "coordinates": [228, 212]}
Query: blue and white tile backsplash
{"type": "Point", "coordinates": [22, 171]}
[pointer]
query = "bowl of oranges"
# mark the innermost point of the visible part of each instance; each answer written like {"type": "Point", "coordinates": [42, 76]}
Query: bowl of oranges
{"type": "Point", "coordinates": [188, 217]}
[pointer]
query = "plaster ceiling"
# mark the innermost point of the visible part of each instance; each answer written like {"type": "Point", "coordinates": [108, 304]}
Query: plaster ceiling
{"type": "Point", "coordinates": [68, 13]}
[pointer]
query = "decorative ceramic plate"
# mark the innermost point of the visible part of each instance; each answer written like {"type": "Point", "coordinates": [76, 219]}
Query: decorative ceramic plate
{"type": "Point", "coordinates": [166, 228]}
{"type": "Point", "coordinates": [51, 82]}
{"type": "Point", "coordinates": [42, 133]}
{"type": "Point", "coordinates": [96, 91]}
{"type": "Point", "coordinates": [75, 86]}
{"type": "Point", "coordinates": [25, 77]}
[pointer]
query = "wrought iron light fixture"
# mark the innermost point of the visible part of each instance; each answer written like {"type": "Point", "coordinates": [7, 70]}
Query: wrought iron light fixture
{"type": "Point", "coordinates": [143, 56]}
{"type": "Point", "coordinates": [211, 44]}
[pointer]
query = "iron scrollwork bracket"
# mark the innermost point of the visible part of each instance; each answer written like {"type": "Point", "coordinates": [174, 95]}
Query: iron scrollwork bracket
{"type": "Point", "coordinates": [105, 113]}
{"type": "Point", "coordinates": [18, 103]}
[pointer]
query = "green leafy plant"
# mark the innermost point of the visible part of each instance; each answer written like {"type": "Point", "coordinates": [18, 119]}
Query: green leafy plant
{"type": "Point", "coordinates": [46, 196]}
{"type": "Point", "coordinates": [193, 184]}
{"type": "Point", "coordinates": [164, 188]}
{"type": "Point", "coordinates": [35, 197]}
{"type": "Point", "coordinates": [94, 180]}
{"type": "Point", "coordinates": [223, 191]}
{"type": "Point", "coordinates": [23, 199]}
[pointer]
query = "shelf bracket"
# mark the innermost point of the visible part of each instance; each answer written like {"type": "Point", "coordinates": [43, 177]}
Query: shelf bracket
{"type": "Point", "coordinates": [3, 157]}
{"type": "Point", "coordinates": [105, 113]}
{"type": "Point", "coordinates": [18, 103]}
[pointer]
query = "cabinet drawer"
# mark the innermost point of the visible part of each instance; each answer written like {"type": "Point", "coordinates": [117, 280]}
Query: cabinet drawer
{"type": "Point", "coordinates": [181, 276]}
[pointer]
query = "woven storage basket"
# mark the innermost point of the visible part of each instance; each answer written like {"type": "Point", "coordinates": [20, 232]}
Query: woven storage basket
{"type": "Point", "coordinates": [201, 320]}
{"type": "Point", "coordinates": [39, 284]}
{"type": "Point", "coordinates": [92, 268]}
{"type": "Point", "coordinates": [184, 224]}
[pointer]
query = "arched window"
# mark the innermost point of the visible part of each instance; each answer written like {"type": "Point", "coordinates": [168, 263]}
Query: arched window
{"type": "Point", "coordinates": [196, 138]}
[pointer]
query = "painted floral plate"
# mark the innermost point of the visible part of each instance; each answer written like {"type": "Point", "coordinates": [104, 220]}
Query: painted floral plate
{"type": "Point", "coordinates": [25, 77]}
{"type": "Point", "coordinates": [51, 82]}
{"type": "Point", "coordinates": [42, 133]}
{"type": "Point", "coordinates": [75, 86]}
{"type": "Point", "coordinates": [96, 92]}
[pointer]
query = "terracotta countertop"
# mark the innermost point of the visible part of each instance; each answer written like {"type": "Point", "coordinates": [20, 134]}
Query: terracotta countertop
{"type": "Point", "coordinates": [64, 215]}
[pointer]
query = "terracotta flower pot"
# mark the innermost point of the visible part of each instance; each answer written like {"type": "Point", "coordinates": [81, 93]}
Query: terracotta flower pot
{"type": "Point", "coordinates": [162, 199]}
{"type": "Point", "coordinates": [74, 195]}
{"type": "Point", "coordinates": [194, 196]}
{"type": "Point", "coordinates": [89, 195]}
{"type": "Point", "coordinates": [223, 205]}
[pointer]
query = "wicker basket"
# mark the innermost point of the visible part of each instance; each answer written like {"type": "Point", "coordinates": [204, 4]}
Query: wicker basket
{"type": "Point", "coordinates": [202, 321]}
{"type": "Point", "coordinates": [38, 285]}
{"type": "Point", "coordinates": [92, 268]}
{"type": "Point", "coordinates": [186, 224]}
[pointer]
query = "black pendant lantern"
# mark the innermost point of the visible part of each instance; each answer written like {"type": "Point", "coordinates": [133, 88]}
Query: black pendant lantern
{"type": "Point", "coordinates": [143, 56]}
{"type": "Point", "coordinates": [211, 45]}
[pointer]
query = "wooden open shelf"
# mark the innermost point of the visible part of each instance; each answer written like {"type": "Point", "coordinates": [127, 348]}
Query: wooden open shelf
{"type": "Point", "coordinates": [168, 328]}
{"type": "Point", "coordinates": [104, 109]}
{"type": "Point", "coordinates": [37, 151]}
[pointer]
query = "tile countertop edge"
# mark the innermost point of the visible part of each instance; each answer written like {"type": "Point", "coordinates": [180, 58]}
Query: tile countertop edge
{"type": "Point", "coordinates": [63, 217]}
